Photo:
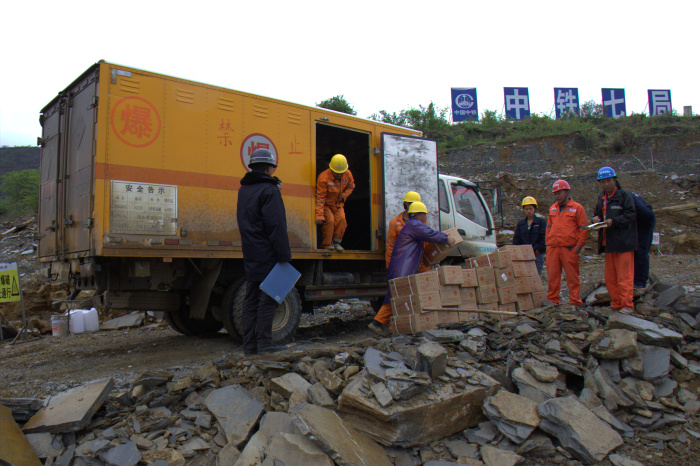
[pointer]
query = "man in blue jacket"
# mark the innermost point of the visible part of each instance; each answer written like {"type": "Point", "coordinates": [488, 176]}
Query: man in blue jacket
{"type": "Point", "coordinates": [646, 221]}
{"type": "Point", "coordinates": [406, 256]}
{"type": "Point", "coordinates": [262, 222]}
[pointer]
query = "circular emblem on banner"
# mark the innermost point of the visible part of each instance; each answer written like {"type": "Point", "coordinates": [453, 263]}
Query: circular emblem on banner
{"type": "Point", "coordinates": [135, 121]}
{"type": "Point", "coordinates": [464, 101]}
{"type": "Point", "coordinates": [256, 141]}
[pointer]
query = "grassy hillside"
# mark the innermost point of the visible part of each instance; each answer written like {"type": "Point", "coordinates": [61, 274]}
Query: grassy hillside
{"type": "Point", "coordinates": [19, 158]}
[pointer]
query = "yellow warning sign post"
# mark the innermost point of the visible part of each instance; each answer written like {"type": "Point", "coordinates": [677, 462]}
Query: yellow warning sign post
{"type": "Point", "coordinates": [11, 290]}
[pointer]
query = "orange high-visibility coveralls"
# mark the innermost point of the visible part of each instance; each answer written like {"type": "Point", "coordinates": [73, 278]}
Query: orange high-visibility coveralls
{"type": "Point", "coordinates": [395, 226]}
{"type": "Point", "coordinates": [566, 230]}
{"type": "Point", "coordinates": [328, 208]}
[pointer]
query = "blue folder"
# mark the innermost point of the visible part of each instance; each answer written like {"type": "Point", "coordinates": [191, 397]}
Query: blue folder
{"type": "Point", "coordinates": [280, 281]}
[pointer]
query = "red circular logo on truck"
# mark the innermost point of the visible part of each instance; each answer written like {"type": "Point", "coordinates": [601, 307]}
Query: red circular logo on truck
{"type": "Point", "coordinates": [135, 121]}
{"type": "Point", "coordinates": [256, 141]}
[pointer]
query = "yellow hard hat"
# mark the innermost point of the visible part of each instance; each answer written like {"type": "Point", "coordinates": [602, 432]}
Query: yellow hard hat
{"type": "Point", "coordinates": [339, 164]}
{"type": "Point", "coordinates": [412, 196]}
{"type": "Point", "coordinates": [529, 200]}
{"type": "Point", "coordinates": [417, 208]}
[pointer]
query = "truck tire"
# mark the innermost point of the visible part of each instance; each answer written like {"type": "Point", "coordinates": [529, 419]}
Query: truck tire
{"type": "Point", "coordinates": [284, 324]}
{"type": "Point", "coordinates": [181, 322]}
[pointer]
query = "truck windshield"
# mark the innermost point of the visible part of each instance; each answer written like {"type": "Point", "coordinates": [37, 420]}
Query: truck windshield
{"type": "Point", "coordinates": [468, 204]}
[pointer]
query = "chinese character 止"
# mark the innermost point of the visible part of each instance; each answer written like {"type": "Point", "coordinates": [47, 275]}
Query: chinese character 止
{"type": "Point", "coordinates": [659, 101]}
{"type": "Point", "coordinates": [566, 101]}
{"type": "Point", "coordinates": [517, 102]}
{"type": "Point", "coordinates": [295, 146]}
{"type": "Point", "coordinates": [614, 103]}
{"type": "Point", "coordinates": [137, 121]}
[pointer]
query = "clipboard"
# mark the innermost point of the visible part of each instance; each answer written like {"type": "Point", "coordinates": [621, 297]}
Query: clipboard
{"type": "Point", "coordinates": [279, 281]}
{"type": "Point", "coordinates": [597, 226]}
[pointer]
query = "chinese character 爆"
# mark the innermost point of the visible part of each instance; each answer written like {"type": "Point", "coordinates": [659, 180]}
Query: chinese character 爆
{"type": "Point", "coordinates": [137, 121]}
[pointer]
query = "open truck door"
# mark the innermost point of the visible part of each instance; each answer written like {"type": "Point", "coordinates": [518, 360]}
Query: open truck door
{"type": "Point", "coordinates": [409, 163]}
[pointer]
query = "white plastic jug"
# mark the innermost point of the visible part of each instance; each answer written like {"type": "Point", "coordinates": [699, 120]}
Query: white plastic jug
{"type": "Point", "coordinates": [77, 321]}
{"type": "Point", "coordinates": [92, 320]}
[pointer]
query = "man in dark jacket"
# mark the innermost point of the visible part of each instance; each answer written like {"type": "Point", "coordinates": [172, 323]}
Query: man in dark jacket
{"type": "Point", "coordinates": [262, 222]}
{"type": "Point", "coordinates": [618, 239]}
{"type": "Point", "coordinates": [646, 222]}
{"type": "Point", "coordinates": [532, 230]}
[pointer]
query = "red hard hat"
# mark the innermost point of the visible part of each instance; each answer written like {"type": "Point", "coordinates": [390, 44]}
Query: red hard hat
{"type": "Point", "coordinates": [559, 185]}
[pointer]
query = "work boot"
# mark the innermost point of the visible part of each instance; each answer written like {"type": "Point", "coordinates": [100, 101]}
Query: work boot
{"type": "Point", "coordinates": [377, 328]}
{"type": "Point", "coordinates": [330, 247]}
{"type": "Point", "coordinates": [271, 349]}
{"type": "Point", "coordinates": [626, 310]}
{"type": "Point", "coordinates": [339, 248]}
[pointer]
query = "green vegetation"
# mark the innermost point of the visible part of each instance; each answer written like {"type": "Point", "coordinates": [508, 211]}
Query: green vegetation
{"type": "Point", "coordinates": [19, 193]}
{"type": "Point", "coordinates": [339, 104]}
{"type": "Point", "coordinates": [596, 133]}
{"type": "Point", "coordinates": [18, 158]}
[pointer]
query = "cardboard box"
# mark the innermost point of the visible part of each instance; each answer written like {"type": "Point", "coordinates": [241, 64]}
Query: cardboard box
{"type": "Point", "coordinates": [485, 276]}
{"type": "Point", "coordinates": [414, 323]}
{"type": "Point", "coordinates": [415, 303]}
{"type": "Point", "coordinates": [486, 294]}
{"type": "Point", "coordinates": [528, 284]}
{"type": "Point", "coordinates": [497, 259]}
{"type": "Point", "coordinates": [419, 283]}
{"type": "Point", "coordinates": [524, 302]}
{"type": "Point", "coordinates": [449, 295]}
{"type": "Point", "coordinates": [521, 252]}
{"type": "Point", "coordinates": [507, 294]}
{"type": "Point", "coordinates": [469, 278]}
{"type": "Point", "coordinates": [434, 253]}
{"type": "Point", "coordinates": [504, 276]}
{"type": "Point", "coordinates": [510, 307]}
{"type": "Point", "coordinates": [538, 297]}
{"type": "Point", "coordinates": [450, 275]}
{"type": "Point", "coordinates": [525, 269]}
{"type": "Point", "coordinates": [468, 297]}
{"type": "Point", "coordinates": [448, 317]}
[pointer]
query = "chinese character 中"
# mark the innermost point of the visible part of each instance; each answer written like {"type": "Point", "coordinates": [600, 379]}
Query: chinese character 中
{"type": "Point", "coordinates": [137, 121]}
{"type": "Point", "coordinates": [517, 103]}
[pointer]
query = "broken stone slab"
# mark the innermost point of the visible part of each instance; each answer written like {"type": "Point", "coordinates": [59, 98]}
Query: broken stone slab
{"type": "Point", "coordinates": [589, 398]}
{"type": "Point", "coordinates": [541, 370]}
{"type": "Point", "coordinates": [43, 444]}
{"type": "Point", "coordinates": [432, 359]}
{"type": "Point", "coordinates": [318, 395]}
{"type": "Point", "coordinates": [483, 434]}
{"type": "Point", "coordinates": [609, 391]}
{"type": "Point", "coordinates": [237, 412]}
{"type": "Point", "coordinates": [337, 438]}
{"type": "Point", "coordinates": [617, 343]}
{"type": "Point", "coordinates": [403, 389]}
{"type": "Point", "coordinates": [229, 454]}
{"type": "Point", "coordinates": [330, 381]}
{"type": "Point", "coordinates": [71, 410]}
{"type": "Point", "coordinates": [669, 296]}
{"type": "Point", "coordinates": [165, 456]}
{"type": "Point", "coordinates": [444, 335]}
{"type": "Point", "coordinates": [134, 319]}
{"type": "Point", "coordinates": [126, 454]}
{"type": "Point", "coordinates": [254, 451]}
{"type": "Point", "coordinates": [579, 431]}
{"type": "Point", "coordinates": [421, 420]}
{"type": "Point", "coordinates": [665, 387]}
{"type": "Point", "coordinates": [296, 449]}
{"type": "Point", "coordinates": [289, 382]}
{"type": "Point", "coordinates": [568, 365]}
{"type": "Point", "coordinates": [532, 388]}
{"type": "Point", "coordinates": [678, 360]}
{"type": "Point", "coordinates": [151, 379]}
{"type": "Point", "coordinates": [648, 332]}
{"type": "Point", "coordinates": [513, 415]}
{"type": "Point", "coordinates": [493, 456]}
{"type": "Point", "coordinates": [612, 421]}
{"type": "Point", "coordinates": [382, 394]}
{"type": "Point", "coordinates": [460, 448]}
{"type": "Point", "coordinates": [611, 368]}
{"type": "Point", "coordinates": [621, 460]}
{"type": "Point", "coordinates": [537, 445]}
{"type": "Point", "coordinates": [656, 362]}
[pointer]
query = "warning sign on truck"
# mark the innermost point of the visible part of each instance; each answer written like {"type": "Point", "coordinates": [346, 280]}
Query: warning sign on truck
{"type": "Point", "coordinates": [9, 282]}
{"type": "Point", "coordinates": [143, 208]}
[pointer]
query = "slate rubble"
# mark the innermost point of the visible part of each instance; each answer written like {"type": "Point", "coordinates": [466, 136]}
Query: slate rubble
{"type": "Point", "coordinates": [574, 389]}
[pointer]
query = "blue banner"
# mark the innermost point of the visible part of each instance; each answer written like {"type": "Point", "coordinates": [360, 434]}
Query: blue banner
{"type": "Point", "coordinates": [659, 101]}
{"type": "Point", "coordinates": [566, 101]}
{"type": "Point", "coordinates": [464, 104]}
{"type": "Point", "coordinates": [517, 102]}
{"type": "Point", "coordinates": [614, 103]}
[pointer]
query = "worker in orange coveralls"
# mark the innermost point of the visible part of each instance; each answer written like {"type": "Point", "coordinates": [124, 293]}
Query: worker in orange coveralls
{"type": "Point", "coordinates": [618, 240]}
{"type": "Point", "coordinates": [395, 226]}
{"type": "Point", "coordinates": [565, 238]}
{"type": "Point", "coordinates": [333, 187]}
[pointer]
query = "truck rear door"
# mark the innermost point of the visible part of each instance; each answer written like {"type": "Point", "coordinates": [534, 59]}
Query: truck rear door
{"type": "Point", "coordinates": [409, 163]}
{"type": "Point", "coordinates": [68, 147]}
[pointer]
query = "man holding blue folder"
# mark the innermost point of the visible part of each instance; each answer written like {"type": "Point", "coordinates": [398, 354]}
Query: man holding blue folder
{"type": "Point", "coordinates": [262, 222]}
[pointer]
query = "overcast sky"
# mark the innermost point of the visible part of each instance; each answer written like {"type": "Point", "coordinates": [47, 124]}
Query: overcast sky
{"type": "Point", "coordinates": [381, 55]}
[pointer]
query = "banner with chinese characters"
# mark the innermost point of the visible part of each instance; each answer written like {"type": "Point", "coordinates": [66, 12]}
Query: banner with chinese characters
{"type": "Point", "coordinates": [464, 104]}
{"type": "Point", "coordinates": [143, 208]}
{"type": "Point", "coordinates": [566, 101]}
{"type": "Point", "coordinates": [659, 101]}
{"type": "Point", "coordinates": [517, 102]}
{"type": "Point", "coordinates": [614, 103]}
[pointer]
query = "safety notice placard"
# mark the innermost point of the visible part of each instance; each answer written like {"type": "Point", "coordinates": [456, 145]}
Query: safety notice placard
{"type": "Point", "coordinates": [9, 282]}
{"type": "Point", "coordinates": [143, 208]}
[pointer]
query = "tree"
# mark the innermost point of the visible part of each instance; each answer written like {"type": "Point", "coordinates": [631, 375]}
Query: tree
{"type": "Point", "coordinates": [592, 109]}
{"type": "Point", "coordinates": [339, 104]}
{"type": "Point", "coordinates": [426, 119]}
{"type": "Point", "coordinates": [20, 192]}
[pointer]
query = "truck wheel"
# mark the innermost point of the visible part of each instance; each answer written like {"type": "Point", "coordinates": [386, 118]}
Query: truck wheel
{"type": "Point", "coordinates": [181, 322]}
{"type": "Point", "coordinates": [284, 324]}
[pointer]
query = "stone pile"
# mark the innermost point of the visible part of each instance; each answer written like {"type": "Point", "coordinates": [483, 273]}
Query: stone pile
{"type": "Point", "coordinates": [553, 385]}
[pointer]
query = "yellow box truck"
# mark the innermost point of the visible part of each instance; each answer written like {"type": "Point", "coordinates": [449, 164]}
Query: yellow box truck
{"type": "Point", "coordinates": [139, 180]}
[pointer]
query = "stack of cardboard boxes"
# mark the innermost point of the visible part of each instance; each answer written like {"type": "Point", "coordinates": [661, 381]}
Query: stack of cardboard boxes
{"type": "Point", "coordinates": [505, 280]}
